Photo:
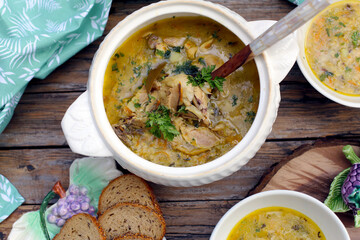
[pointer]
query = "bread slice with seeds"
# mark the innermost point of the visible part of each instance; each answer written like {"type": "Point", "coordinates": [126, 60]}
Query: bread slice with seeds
{"type": "Point", "coordinates": [130, 218]}
{"type": "Point", "coordinates": [81, 226]}
{"type": "Point", "coordinates": [133, 237]}
{"type": "Point", "coordinates": [127, 188]}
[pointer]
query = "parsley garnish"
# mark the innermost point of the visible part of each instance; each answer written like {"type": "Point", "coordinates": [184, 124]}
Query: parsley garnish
{"type": "Point", "coordinates": [133, 62]}
{"type": "Point", "coordinates": [167, 54]}
{"type": "Point", "coordinates": [234, 100]}
{"type": "Point", "coordinates": [340, 34]}
{"type": "Point", "coordinates": [328, 32]}
{"type": "Point", "coordinates": [117, 55]}
{"type": "Point", "coordinates": [205, 76]}
{"type": "Point", "coordinates": [187, 68]}
{"type": "Point", "coordinates": [137, 70]}
{"type": "Point", "coordinates": [159, 52]}
{"type": "Point", "coordinates": [355, 38]}
{"type": "Point", "coordinates": [325, 75]}
{"type": "Point", "coordinates": [334, 17]}
{"type": "Point", "coordinates": [358, 59]}
{"type": "Point", "coordinates": [202, 61]}
{"type": "Point", "coordinates": [347, 69]}
{"type": "Point", "coordinates": [177, 49]}
{"type": "Point", "coordinates": [137, 105]}
{"type": "Point", "coordinates": [114, 67]}
{"type": "Point", "coordinates": [160, 125]}
{"type": "Point", "coordinates": [336, 55]}
{"type": "Point", "coordinates": [251, 99]}
{"type": "Point", "coordinates": [342, 24]}
{"type": "Point", "coordinates": [250, 116]}
{"type": "Point", "coordinates": [182, 109]}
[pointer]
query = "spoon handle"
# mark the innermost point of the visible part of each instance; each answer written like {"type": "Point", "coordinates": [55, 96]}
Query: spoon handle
{"type": "Point", "coordinates": [278, 31]}
{"type": "Point", "coordinates": [292, 21]}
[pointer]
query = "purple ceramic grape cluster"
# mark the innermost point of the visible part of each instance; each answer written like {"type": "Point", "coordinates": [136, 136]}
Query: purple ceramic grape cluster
{"type": "Point", "coordinates": [76, 202]}
{"type": "Point", "coordinates": [350, 188]}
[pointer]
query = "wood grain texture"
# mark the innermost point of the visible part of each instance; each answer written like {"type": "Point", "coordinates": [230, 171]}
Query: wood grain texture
{"type": "Point", "coordinates": [311, 170]}
{"type": "Point", "coordinates": [39, 169]}
{"type": "Point", "coordinates": [34, 153]}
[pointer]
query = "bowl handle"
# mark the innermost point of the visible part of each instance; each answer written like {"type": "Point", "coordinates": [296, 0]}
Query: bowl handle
{"type": "Point", "coordinates": [80, 130]}
{"type": "Point", "coordinates": [282, 55]}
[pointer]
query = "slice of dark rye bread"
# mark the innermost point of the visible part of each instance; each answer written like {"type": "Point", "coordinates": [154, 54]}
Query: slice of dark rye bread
{"type": "Point", "coordinates": [130, 218]}
{"type": "Point", "coordinates": [133, 237]}
{"type": "Point", "coordinates": [81, 226]}
{"type": "Point", "coordinates": [127, 188]}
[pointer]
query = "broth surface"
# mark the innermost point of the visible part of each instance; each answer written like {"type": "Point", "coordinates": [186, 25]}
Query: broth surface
{"type": "Point", "coordinates": [210, 122]}
{"type": "Point", "coordinates": [276, 223]}
{"type": "Point", "coordinates": [333, 47]}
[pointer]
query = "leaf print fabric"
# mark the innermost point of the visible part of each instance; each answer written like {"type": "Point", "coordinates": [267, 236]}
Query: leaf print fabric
{"type": "Point", "coordinates": [36, 36]}
{"type": "Point", "coordinates": [297, 2]}
{"type": "Point", "coordinates": [10, 199]}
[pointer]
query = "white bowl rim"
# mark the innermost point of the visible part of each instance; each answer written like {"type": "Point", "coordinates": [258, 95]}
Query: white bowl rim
{"type": "Point", "coordinates": [284, 193]}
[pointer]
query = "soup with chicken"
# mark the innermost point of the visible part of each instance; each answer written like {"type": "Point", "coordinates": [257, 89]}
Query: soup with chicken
{"type": "Point", "coordinates": [162, 102]}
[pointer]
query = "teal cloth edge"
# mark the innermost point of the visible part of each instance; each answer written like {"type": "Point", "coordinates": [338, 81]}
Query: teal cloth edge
{"type": "Point", "coordinates": [10, 198]}
{"type": "Point", "coordinates": [26, 25]}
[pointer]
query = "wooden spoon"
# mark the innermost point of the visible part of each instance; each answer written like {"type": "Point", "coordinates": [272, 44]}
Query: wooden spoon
{"type": "Point", "coordinates": [278, 31]}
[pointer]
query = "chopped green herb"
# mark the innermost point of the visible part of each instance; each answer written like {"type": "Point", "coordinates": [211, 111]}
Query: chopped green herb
{"type": "Point", "coordinates": [355, 38]}
{"type": "Point", "coordinates": [137, 70]}
{"type": "Point", "coordinates": [358, 59]}
{"type": "Point", "coordinates": [205, 76]}
{"type": "Point", "coordinates": [182, 109]}
{"type": "Point", "coordinates": [325, 75]}
{"type": "Point", "coordinates": [117, 55]}
{"type": "Point", "coordinates": [114, 67]}
{"type": "Point", "coordinates": [234, 100]}
{"type": "Point", "coordinates": [334, 17]}
{"type": "Point", "coordinates": [202, 61]}
{"type": "Point", "coordinates": [159, 52]}
{"type": "Point", "coordinates": [131, 79]}
{"type": "Point", "coordinates": [328, 32]}
{"type": "Point", "coordinates": [121, 54]}
{"type": "Point", "coordinates": [336, 55]}
{"type": "Point", "coordinates": [232, 43]}
{"type": "Point", "coordinates": [251, 99]}
{"type": "Point", "coordinates": [167, 54]}
{"type": "Point", "coordinates": [216, 36]}
{"type": "Point", "coordinates": [150, 98]}
{"type": "Point", "coordinates": [347, 69]}
{"type": "Point", "coordinates": [339, 34]}
{"type": "Point", "coordinates": [342, 24]}
{"type": "Point", "coordinates": [137, 105]}
{"type": "Point", "coordinates": [250, 116]}
{"type": "Point", "coordinates": [118, 90]}
{"type": "Point", "coordinates": [186, 68]}
{"type": "Point", "coordinates": [177, 49]}
{"type": "Point", "coordinates": [133, 62]}
{"type": "Point", "coordinates": [160, 125]}
{"type": "Point", "coordinates": [117, 106]}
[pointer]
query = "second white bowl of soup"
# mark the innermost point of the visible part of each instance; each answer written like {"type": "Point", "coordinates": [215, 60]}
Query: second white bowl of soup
{"type": "Point", "coordinates": [280, 214]}
{"type": "Point", "coordinates": [330, 52]}
{"type": "Point", "coordinates": [178, 130]}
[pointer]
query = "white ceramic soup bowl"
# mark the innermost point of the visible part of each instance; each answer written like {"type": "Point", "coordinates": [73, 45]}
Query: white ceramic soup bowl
{"type": "Point", "coordinates": [88, 131]}
{"type": "Point", "coordinates": [350, 101]}
{"type": "Point", "coordinates": [327, 221]}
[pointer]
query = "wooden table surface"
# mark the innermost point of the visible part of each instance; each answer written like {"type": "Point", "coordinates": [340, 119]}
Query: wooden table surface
{"type": "Point", "coordinates": [34, 153]}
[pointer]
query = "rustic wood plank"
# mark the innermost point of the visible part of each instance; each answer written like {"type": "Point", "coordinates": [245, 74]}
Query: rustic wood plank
{"type": "Point", "coordinates": [34, 171]}
{"type": "Point", "coordinates": [179, 217]}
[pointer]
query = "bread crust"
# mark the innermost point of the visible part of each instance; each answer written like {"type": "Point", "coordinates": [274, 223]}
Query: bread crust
{"type": "Point", "coordinates": [93, 219]}
{"type": "Point", "coordinates": [132, 236]}
{"type": "Point", "coordinates": [152, 195]}
{"type": "Point", "coordinates": [160, 217]}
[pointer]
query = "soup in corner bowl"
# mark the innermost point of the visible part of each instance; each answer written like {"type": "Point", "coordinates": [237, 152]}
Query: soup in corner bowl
{"type": "Point", "coordinates": [151, 105]}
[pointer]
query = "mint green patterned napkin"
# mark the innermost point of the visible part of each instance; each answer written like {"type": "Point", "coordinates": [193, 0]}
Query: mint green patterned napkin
{"type": "Point", "coordinates": [36, 36]}
{"type": "Point", "coordinates": [297, 2]}
{"type": "Point", "coordinates": [10, 198]}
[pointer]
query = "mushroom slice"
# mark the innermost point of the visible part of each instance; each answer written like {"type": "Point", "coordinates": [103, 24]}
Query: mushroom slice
{"type": "Point", "coordinates": [174, 41]}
